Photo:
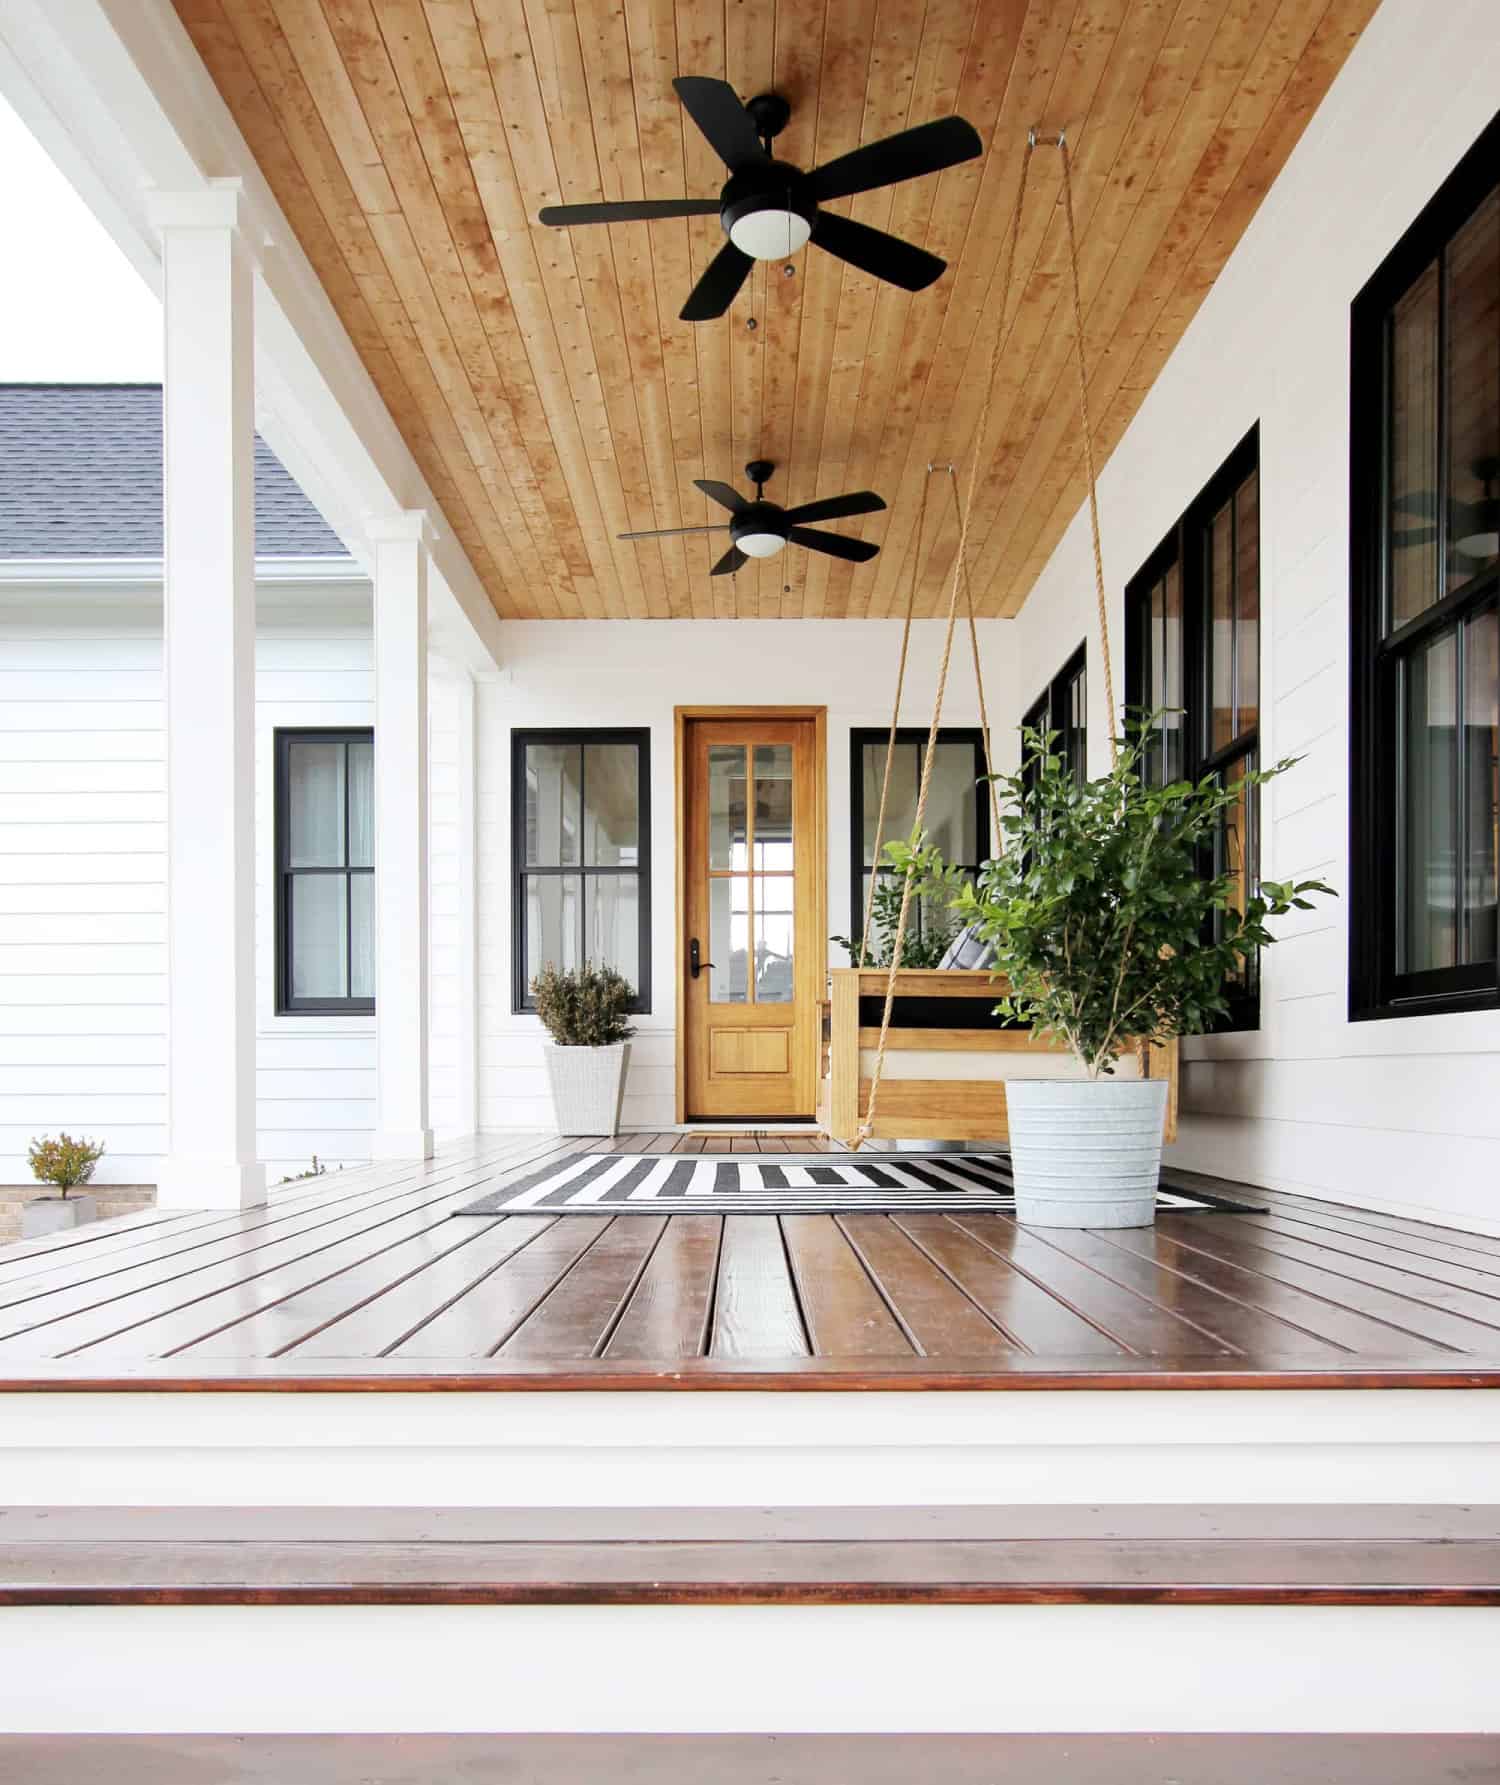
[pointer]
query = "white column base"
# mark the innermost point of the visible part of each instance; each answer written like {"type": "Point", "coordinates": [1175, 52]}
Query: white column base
{"type": "Point", "coordinates": [209, 1184]}
{"type": "Point", "coordinates": [401, 1143]}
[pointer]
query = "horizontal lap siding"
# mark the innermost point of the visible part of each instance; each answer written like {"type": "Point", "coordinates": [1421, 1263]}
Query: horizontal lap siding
{"type": "Point", "coordinates": [1396, 1113]}
{"type": "Point", "coordinates": [82, 881]}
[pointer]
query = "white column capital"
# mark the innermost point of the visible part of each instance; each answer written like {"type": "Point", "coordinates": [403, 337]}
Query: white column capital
{"type": "Point", "coordinates": [402, 526]}
{"type": "Point", "coordinates": [221, 204]}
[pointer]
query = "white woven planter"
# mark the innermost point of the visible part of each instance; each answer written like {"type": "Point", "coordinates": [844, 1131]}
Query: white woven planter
{"type": "Point", "coordinates": [1086, 1152]}
{"type": "Point", "coordinates": [587, 1086]}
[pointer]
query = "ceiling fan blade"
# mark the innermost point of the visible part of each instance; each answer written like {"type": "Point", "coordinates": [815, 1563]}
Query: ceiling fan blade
{"type": "Point", "coordinates": [835, 545]}
{"type": "Point", "coordinates": [721, 493]}
{"type": "Point", "coordinates": [642, 210]}
{"type": "Point", "coordinates": [734, 559]}
{"type": "Point", "coordinates": [715, 108]}
{"type": "Point", "coordinates": [716, 290]}
{"type": "Point", "coordinates": [927, 149]}
{"type": "Point", "coordinates": [672, 532]}
{"type": "Point", "coordinates": [873, 251]}
{"type": "Point", "coordinates": [837, 508]}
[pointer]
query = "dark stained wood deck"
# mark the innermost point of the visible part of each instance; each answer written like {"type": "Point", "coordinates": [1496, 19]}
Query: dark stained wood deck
{"type": "Point", "coordinates": [363, 1279]}
{"type": "Point", "coordinates": [951, 1555]}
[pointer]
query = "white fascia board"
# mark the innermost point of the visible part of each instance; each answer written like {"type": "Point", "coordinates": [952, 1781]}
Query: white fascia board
{"type": "Point", "coordinates": [134, 573]}
{"type": "Point", "coordinates": [120, 98]}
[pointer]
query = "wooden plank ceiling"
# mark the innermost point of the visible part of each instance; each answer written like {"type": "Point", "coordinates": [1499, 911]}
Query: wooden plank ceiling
{"type": "Point", "coordinates": [541, 377]}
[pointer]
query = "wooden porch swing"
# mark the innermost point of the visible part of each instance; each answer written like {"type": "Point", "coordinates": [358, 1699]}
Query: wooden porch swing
{"type": "Point", "coordinates": [948, 1079]}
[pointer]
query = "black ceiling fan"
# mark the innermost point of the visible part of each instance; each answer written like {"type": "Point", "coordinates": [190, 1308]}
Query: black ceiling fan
{"type": "Point", "coordinates": [1473, 527]}
{"type": "Point", "coordinates": [759, 529]}
{"type": "Point", "coordinates": [769, 208]}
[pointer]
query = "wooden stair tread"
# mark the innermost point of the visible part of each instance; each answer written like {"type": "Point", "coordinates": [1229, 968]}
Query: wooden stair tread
{"type": "Point", "coordinates": [751, 1759]}
{"type": "Point", "coordinates": [954, 1555]}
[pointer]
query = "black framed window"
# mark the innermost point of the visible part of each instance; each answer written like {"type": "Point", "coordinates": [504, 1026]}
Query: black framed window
{"type": "Point", "coordinates": [958, 809]}
{"type": "Point", "coordinates": [325, 872]}
{"type": "Point", "coordinates": [1425, 608]}
{"type": "Point", "coordinates": [1192, 654]}
{"type": "Point", "coordinates": [581, 855]}
{"type": "Point", "coordinates": [1063, 707]}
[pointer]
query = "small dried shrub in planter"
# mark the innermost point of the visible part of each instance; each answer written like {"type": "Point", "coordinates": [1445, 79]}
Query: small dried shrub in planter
{"type": "Point", "coordinates": [585, 1007]}
{"type": "Point", "coordinates": [63, 1161]}
{"type": "Point", "coordinates": [584, 1012]}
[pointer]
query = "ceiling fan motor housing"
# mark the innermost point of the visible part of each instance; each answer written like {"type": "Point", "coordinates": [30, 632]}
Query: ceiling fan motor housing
{"type": "Point", "coordinates": [760, 529]}
{"type": "Point", "coordinates": [768, 211]}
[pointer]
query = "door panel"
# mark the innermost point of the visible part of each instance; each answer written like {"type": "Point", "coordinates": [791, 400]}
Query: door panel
{"type": "Point", "coordinates": [752, 877]}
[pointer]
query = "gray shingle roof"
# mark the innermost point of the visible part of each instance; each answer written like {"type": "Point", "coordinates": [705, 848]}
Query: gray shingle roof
{"type": "Point", "coordinates": [80, 477]}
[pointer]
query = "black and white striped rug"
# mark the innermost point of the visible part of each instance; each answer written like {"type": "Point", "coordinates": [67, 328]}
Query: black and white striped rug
{"type": "Point", "coordinates": [781, 1184]}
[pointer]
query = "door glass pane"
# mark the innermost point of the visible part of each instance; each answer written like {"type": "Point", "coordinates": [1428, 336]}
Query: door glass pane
{"type": "Point", "coordinates": [1429, 846]}
{"type": "Point", "coordinates": [1234, 850]}
{"type": "Point", "coordinates": [612, 923]}
{"type": "Point", "coordinates": [1247, 605]}
{"type": "Point", "coordinates": [612, 792]}
{"type": "Point", "coordinates": [552, 922]}
{"type": "Point", "coordinates": [553, 814]}
{"type": "Point", "coordinates": [319, 954]}
{"type": "Point", "coordinates": [1221, 627]}
{"type": "Point", "coordinates": [1481, 792]}
{"type": "Point", "coordinates": [951, 806]}
{"type": "Point", "coordinates": [1474, 396]}
{"type": "Point", "coordinates": [1169, 690]}
{"type": "Point", "coordinates": [729, 939]}
{"type": "Point", "coordinates": [315, 804]}
{"type": "Point", "coordinates": [773, 807]}
{"type": "Point", "coordinates": [362, 935]}
{"type": "Point", "coordinates": [361, 797]}
{"type": "Point", "coordinates": [1413, 468]}
{"type": "Point", "coordinates": [728, 842]}
{"type": "Point", "coordinates": [901, 804]}
{"type": "Point", "coordinates": [1075, 735]}
{"type": "Point", "coordinates": [774, 934]}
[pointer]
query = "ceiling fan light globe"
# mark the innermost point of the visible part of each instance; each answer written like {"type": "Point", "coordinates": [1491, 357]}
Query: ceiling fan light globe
{"type": "Point", "coordinates": [760, 545]}
{"type": "Point", "coordinates": [1479, 545]}
{"type": "Point", "coordinates": [770, 234]}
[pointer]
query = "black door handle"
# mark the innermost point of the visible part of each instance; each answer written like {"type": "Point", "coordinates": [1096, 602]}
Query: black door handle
{"type": "Point", "coordinates": [696, 962]}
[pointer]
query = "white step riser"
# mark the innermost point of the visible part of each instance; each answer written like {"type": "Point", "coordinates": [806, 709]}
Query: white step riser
{"type": "Point", "coordinates": [1435, 1446]}
{"type": "Point", "coordinates": [711, 1668]}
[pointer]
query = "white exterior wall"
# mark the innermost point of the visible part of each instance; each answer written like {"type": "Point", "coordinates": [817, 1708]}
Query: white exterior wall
{"type": "Point", "coordinates": [635, 673]}
{"type": "Point", "coordinates": [82, 870]}
{"type": "Point", "coordinates": [1402, 1114]}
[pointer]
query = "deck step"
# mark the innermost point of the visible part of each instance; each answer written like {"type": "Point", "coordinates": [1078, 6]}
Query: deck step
{"type": "Point", "coordinates": [752, 1760]}
{"type": "Point", "coordinates": [1026, 1555]}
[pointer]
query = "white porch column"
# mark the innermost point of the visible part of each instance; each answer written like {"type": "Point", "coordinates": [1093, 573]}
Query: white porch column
{"type": "Point", "coordinates": [209, 652]}
{"type": "Point", "coordinates": [402, 548]}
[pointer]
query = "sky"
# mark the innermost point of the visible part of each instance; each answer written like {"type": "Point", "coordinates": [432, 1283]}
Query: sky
{"type": "Point", "coordinates": [72, 308]}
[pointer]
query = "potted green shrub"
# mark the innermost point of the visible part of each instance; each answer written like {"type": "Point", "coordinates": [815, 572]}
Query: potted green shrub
{"type": "Point", "coordinates": [65, 1163]}
{"type": "Point", "coordinates": [584, 1012]}
{"type": "Point", "coordinates": [1107, 932]}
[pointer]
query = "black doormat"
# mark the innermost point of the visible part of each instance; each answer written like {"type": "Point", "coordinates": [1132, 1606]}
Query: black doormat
{"type": "Point", "coordinates": [786, 1184]}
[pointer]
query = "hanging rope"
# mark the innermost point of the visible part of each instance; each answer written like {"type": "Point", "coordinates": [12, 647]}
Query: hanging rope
{"type": "Point", "coordinates": [890, 747]}
{"type": "Point", "coordinates": [867, 1126]}
{"type": "Point", "coordinates": [1088, 447]}
{"type": "Point", "coordinates": [997, 836]}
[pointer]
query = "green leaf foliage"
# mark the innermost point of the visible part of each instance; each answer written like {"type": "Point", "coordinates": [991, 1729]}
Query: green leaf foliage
{"type": "Point", "coordinates": [917, 950]}
{"type": "Point", "coordinates": [1105, 928]}
{"type": "Point", "coordinates": [585, 1007]}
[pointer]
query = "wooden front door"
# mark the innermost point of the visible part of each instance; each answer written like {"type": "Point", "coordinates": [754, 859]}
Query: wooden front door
{"type": "Point", "coordinates": [753, 953]}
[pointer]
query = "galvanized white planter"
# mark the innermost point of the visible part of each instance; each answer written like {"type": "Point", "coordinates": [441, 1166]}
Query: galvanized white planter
{"type": "Point", "coordinates": [56, 1214]}
{"type": "Point", "coordinates": [587, 1086]}
{"type": "Point", "coordinates": [1086, 1152]}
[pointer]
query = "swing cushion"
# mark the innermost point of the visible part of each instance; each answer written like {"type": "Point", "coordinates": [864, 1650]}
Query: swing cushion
{"type": "Point", "coordinates": [968, 950]}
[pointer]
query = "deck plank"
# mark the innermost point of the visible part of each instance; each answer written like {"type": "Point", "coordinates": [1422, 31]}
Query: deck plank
{"type": "Point", "coordinates": [1035, 1319]}
{"type": "Point", "coordinates": [578, 1317]}
{"type": "Point", "coordinates": [844, 1312]}
{"type": "Point", "coordinates": [935, 1314]}
{"type": "Point", "coordinates": [669, 1312]}
{"type": "Point", "coordinates": [756, 1313]}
